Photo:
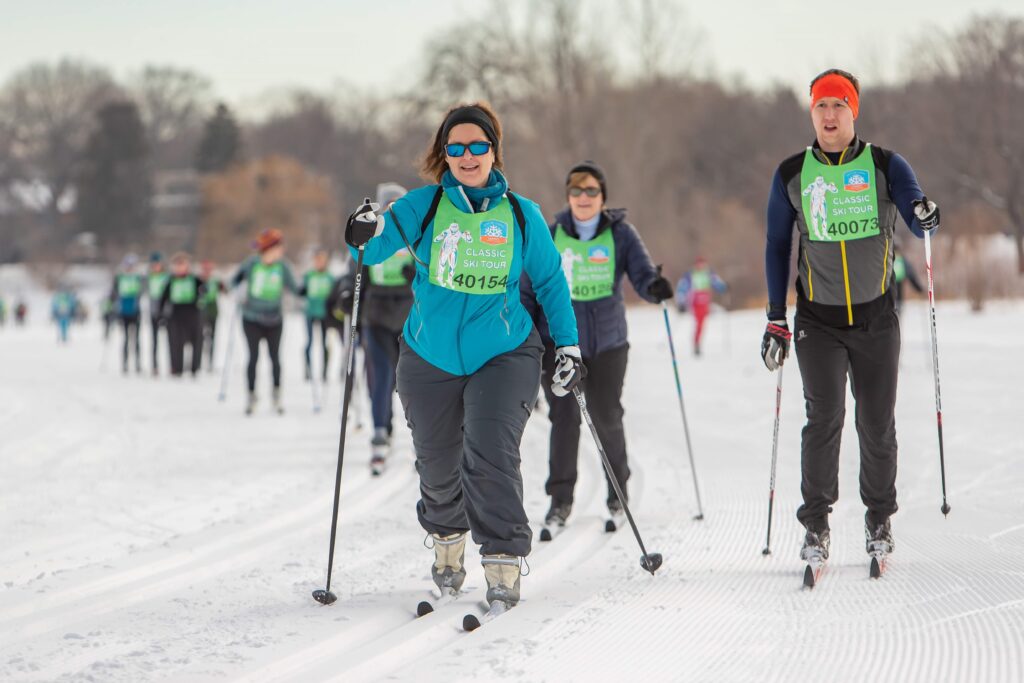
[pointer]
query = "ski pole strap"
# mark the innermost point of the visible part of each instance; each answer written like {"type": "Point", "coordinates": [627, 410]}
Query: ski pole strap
{"type": "Point", "coordinates": [780, 331]}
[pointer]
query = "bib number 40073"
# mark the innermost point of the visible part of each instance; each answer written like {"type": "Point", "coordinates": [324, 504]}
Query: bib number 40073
{"type": "Point", "coordinates": [853, 227]}
{"type": "Point", "coordinates": [481, 282]}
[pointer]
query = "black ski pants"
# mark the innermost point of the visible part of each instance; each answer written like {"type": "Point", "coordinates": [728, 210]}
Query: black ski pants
{"type": "Point", "coordinates": [155, 323]}
{"type": "Point", "coordinates": [466, 430]}
{"type": "Point", "coordinates": [130, 325]}
{"type": "Point", "coordinates": [869, 353]}
{"type": "Point", "coordinates": [209, 335]}
{"type": "Point", "coordinates": [325, 356]}
{"type": "Point", "coordinates": [254, 333]}
{"type": "Point", "coordinates": [184, 327]}
{"type": "Point", "coordinates": [602, 387]}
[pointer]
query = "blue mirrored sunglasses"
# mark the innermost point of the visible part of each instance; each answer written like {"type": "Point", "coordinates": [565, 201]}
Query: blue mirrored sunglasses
{"type": "Point", "coordinates": [457, 149]}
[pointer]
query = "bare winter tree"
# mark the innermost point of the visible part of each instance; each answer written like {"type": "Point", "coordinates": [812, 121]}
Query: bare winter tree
{"type": "Point", "coordinates": [173, 103]}
{"type": "Point", "coordinates": [50, 108]}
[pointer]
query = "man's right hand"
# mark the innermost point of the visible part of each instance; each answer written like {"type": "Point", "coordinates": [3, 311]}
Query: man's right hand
{"type": "Point", "coordinates": [775, 344]}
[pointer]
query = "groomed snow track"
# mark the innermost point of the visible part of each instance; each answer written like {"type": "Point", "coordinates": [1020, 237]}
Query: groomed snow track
{"type": "Point", "coordinates": [153, 534]}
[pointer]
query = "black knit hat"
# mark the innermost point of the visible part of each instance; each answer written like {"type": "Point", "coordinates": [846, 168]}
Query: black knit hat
{"type": "Point", "coordinates": [594, 170]}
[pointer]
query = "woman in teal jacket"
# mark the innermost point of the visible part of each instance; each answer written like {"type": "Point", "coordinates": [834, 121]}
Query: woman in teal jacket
{"type": "Point", "coordinates": [469, 363]}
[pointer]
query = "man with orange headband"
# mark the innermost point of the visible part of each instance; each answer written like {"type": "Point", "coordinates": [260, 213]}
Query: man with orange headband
{"type": "Point", "coordinates": [843, 196]}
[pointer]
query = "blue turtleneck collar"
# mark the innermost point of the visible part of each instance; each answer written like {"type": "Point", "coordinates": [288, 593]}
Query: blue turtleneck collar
{"type": "Point", "coordinates": [473, 199]}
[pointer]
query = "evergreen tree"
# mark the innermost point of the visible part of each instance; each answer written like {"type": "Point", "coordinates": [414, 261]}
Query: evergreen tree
{"type": "Point", "coordinates": [114, 184]}
{"type": "Point", "coordinates": [221, 145]}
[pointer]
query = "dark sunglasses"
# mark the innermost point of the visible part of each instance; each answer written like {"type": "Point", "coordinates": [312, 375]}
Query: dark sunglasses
{"type": "Point", "coordinates": [458, 149]}
{"type": "Point", "coordinates": [590, 191]}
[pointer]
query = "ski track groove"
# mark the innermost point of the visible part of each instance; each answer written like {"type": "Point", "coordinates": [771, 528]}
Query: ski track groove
{"type": "Point", "coordinates": [185, 567]}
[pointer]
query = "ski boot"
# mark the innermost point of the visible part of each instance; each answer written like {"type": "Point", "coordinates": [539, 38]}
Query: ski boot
{"type": "Point", "coordinates": [502, 574]}
{"type": "Point", "coordinates": [250, 403]}
{"type": "Point", "coordinates": [878, 543]}
{"type": "Point", "coordinates": [278, 408]}
{"type": "Point", "coordinates": [448, 570]}
{"type": "Point", "coordinates": [554, 521]}
{"type": "Point", "coordinates": [814, 552]}
{"type": "Point", "coordinates": [380, 444]}
{"type": "Point", "coordinates": [616, 516]}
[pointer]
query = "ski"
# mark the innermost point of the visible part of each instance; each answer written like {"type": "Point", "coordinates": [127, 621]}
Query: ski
{"type": "Point", "coordinates": [878, 562]}
{"type": "Point", "coordinates": [614, 522]}
{"type": "Point", "coordinates": [378, 463]}
{"type": "Point", "coordinates": [472, 622]}
{"type": "Point", "coordinates": [812, 573]}
{"type": "Point", "coordinates": [426, 607]}
{"type": "Point", "coordinates": [548, 533]}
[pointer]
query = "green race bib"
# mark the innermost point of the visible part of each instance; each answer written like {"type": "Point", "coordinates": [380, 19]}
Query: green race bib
{"type": "Point", "coordinates": [183, 290]}
{"type": "Point", "coordinates": [157, 282]}
{"type": "Point", "coordinates": [589, 267]}
{"type": "Point", "coordinates": [700, 280]}
{"type": "Point", "coordinates": [128, 285]}
{"type": "Point", "coordinates": [318, 285]}
{"type": "Point", "coordinates": [899, 269]}
{"type": "Point", "coordinates": [389, 273]}
{"type": "Point", "coordinates": [472, 252]}
{"type": "Point", "coordinates": [840, 203]}
{"type": "Point", "coordinates": [266, 283]}
{"type": "Point", "coordinates": [212, 289]}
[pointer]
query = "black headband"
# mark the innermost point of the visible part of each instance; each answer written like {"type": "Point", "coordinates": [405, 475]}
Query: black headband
{"type": "Point", "coordinates": [474, 115]}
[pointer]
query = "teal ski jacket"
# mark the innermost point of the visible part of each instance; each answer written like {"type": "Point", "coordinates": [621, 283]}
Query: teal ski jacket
{"type": "Point", "coordinates": [459, 332]}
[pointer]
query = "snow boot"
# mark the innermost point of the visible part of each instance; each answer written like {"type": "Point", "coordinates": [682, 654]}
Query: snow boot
{"type": "Point", "coordinates": [878, 536]}
{"type": "Point", "coordinates": [502, 574]}
{"type": "Point", "coordinates": [816, 544]}
{"type": "Point", "coordinates": [250, 403]}
{"type": "Point", "coordinates": [448, 570]}
{"type": "Point", "coordinates": [278, 408]}
{"type": "Point", "coordinates": [554, 521]}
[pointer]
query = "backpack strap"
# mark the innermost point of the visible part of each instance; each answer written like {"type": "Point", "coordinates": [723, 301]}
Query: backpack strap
{"type": "Point", "coordinates": [517, 210]}
{"type": "Point", "coordinates": [429, 217]}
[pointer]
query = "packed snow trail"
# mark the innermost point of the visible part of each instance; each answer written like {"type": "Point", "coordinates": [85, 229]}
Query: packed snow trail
{"type": "Point", "coordinates": [151, 533]}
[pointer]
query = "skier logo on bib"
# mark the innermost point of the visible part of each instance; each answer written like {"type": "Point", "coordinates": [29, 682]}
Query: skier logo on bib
{"type": "Point", "coordinates": [569, 257]}
{"type": "Point", "coordinates": [817, 190]}
{"type": "Point", "coordinates": [450, 239]}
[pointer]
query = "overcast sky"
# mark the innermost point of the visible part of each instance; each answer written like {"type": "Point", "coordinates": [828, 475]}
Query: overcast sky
{"type": "Point", "coordinates": [248, 47]}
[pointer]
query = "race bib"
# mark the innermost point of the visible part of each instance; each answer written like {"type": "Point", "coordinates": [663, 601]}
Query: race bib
{"type": "Point", "coordinates": [840, 203]}
{"type": "Point", "coordinates": [472, 252]}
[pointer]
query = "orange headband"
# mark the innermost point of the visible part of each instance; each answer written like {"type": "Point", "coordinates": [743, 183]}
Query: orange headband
{"type": "Point", "coordinates": [836, 86]}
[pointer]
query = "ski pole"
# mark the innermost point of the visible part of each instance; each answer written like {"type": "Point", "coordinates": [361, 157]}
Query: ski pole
{"type": "Point", "coordinates": [312, 367]}
{"type": "Point", "coordinates": [682, 410]}
{"type": "Point", "coordinates": [775, 452]}
{"type": "Point", "coordinates": [325, 596]}
{"type": "Point", "coordinates": [935, 364]}
{"type": "Point", "coordinates": [227, 354]}
{"type": "Point", "coordinates": [649, 561]}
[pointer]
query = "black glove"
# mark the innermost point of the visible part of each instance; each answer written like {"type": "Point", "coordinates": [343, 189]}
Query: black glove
{"type": "Point", "coordinates": [927, 213]}
{"type": "Point", "coordinates": [364, 224]}
{"type": "Point", "coordinates": [409, 272]}
{"type": "Point", "coordinates": [775, 344]}
{"type": "Point", "coordinates": [569, 370]}
{"type": "Point", "coordinates": [345, 300]}
{"type": "Point", "coordinates": [660, 289]}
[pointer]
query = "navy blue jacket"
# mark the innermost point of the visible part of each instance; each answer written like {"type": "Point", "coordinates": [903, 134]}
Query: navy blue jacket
{"type": "Point", "coordinates": [602, 322]}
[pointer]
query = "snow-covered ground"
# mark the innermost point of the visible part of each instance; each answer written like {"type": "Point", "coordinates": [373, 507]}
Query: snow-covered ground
{"type": "Point", "coordinates": [151, 533]}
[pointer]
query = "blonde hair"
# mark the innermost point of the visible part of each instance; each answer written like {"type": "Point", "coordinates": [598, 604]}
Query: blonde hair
{"type": "Point", "coordinates": [435, 162]}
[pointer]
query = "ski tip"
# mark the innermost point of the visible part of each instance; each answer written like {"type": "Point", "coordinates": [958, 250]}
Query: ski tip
{"type": "Point", "coordinates": [766, 551]}
{"type": "Point", "coordinates": [945, 510]}
{"type": "Point", "coordinates": [324, 597]}
{"type": "Point", "coordinates": [651, 562]}
{"type": "Point", "coordinates": [876, 568]}
{"type": "Point", "coordinates": [808, 577]}
{"type": "Point", "coordinates": [470, 622]}
{"type": "Point", "coordinates": [609, 527]}
{"type": "Point", "coordinates": [424, 608]}
{"type": "Point", "coordinates": [545, 534]}
{"type": "Point", "coordinates": [699, 518]}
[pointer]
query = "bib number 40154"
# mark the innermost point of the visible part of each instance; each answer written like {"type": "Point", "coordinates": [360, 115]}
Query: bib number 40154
{"type": "Point", "coordinates": [482, 282]}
